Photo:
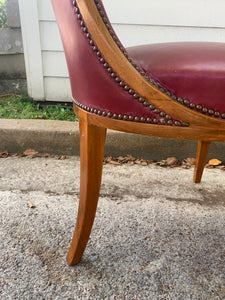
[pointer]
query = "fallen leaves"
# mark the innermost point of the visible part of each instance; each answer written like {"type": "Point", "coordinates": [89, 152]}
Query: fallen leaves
{"type": "Point", "coordinates": [215, 162]}
{"type": "Point", "coordinates": [171, 162]}
{"type": "Point", "coordinates": [30, 204]}
{"type": "Point", "coordinates": [4, 154]}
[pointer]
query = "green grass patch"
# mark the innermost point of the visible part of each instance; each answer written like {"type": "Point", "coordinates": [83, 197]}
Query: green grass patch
{"type": "Point", "coordinates": [3, 19]}
{"type": "Point", "coordinates": [16, 107]}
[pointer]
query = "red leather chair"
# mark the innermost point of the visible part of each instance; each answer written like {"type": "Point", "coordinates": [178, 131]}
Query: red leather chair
{"type": "Point", "coordinates": [169, 90]}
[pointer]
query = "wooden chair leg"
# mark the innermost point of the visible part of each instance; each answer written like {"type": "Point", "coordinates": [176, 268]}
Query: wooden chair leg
{"type": "Point", "coordinates": [92, 140]}
{"type": "Point", "coordinates": [201, 158]}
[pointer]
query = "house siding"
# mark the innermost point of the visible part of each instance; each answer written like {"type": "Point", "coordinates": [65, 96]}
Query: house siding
{"type": "Point", "coordinates": [148, 22]}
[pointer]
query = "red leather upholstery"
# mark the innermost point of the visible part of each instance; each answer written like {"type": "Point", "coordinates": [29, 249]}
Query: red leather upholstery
{"type": "Point", "coordinates": [191, 70]}
{"type": "Point", "coordinates": [92, 85]}
{"type": "Point", "coordinates": [193, 73]}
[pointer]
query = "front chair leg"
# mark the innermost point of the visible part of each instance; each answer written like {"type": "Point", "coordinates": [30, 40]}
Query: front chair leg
{"type": "Point", "coordinates": [201, 157]}
{"type": "Point", "coordinates": [92, 140]}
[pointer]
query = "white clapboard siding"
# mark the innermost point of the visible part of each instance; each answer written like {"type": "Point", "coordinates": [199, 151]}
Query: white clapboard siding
{"type": "Point", "coordinates": [136, 22]}
{"type": "Point", "coordinates": [54, 64]}
{"type": "Point", "coordinates": [57, 88]}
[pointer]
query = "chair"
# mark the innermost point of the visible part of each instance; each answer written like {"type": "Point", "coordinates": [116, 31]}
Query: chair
{"type": "Point", "coordinates": [172, 90]}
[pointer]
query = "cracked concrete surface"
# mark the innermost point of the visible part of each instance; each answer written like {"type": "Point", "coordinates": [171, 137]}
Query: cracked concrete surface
{"type": "Point", "coordinates": [156, 235]}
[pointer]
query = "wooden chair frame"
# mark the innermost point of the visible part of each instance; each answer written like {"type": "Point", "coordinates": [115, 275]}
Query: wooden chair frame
{"type": "Point", "coordinates": [93, 128]}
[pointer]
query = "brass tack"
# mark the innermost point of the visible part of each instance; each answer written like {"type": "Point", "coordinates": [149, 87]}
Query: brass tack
{"type": "Point", "coordinates": [122, 84]}
{"type": "Point", "coordinates": [155, 121]}
{"type": "Point", "coordinates": [168, 117]}
{"type": "Point", "coordinates": [162, 114]}
{"type": "Point", "coordinates": [136, 96]}
{"type": "Point", "coordinates": [101, 13]}
{"type": "Point", "coordinates": [146, 103]}
{"type": "Point", "coordinates": [149, 120]}
{"type": "Point", "coordinates": [95, 48]}
{"type": "Point", "coordinates": [99, 54]}
{"type": "Point", "coordinates": [152, 106]}
{"type": "Point", "coordinates": [186, 102]}
{"type": "Point", "coordinates": [170, 122]}
{"type": "Point", "coordinates": [136, 119]}
{"type": "Point", "coordinates": [142, 73]}
{"type": "Point", "coordinates": [185, 124]}
{"type": "Point", "coordinates": [204, 110]}
{"type": "Point", "coordinates": [102, 60]}
{"type": "Point", "coordinates": [113, 75]}
{"type": "Point", "coordinates": [131, 92]}
{"type": "Point", "coordinates": [174, 97]}
{"type": "Point", "coordinates": [163, 122]}
{"type": "Point", "coordinates": [115, 116]}
{"type": "Point", "coordinates": [117, 79]}
{"type": "Point", "coordinates": [110, 70]}
{"type": "Point", "coordinates": [126, 87]}
{"type": "Point", "coordinates": [192, 105]}
{"type": "Point", "coordinates": [88, 108]}
{"type": "Point", "coordinates": [120, 117]}
{"type": "Point", "coordinates": [79, 17]}
{"type": "Point", "coordinates": [88, 35]}
{"type": "Point", "coordinates": [85, 29]}
{"type": "Point", "coordinates": [125, 117]}
{"type": "Point", "coordinates": [91, 43]}
{"type": "Point", "coordinates": [180, 100]}
{"type": "Point", "coordinates": [141, 100]}
{"type": "Point", "coordinates": [106, 65]}
{"type": "Point", "coordinates": [162, 90]}
{"type": "Point", "coordinates": [95, 111]}
{"type": "Point", "coordinates": [211, 111]}
{"type": "Point", "coordinates": [92, 110]}
{"type": "Point", "coordinates": [156, 111]}
{"type": "Point", "coordinates": [105, 20]}
{"type": "Point", "coordinates": [199, 107]}
{"type": "Point", "coordinates": [167, 93]}
{"type": "Point", "coordinates": [131, 118]}
{"type": "Point", "coordinates": [82, 23]}
{"type": "Point", "coordinates": [143, 119]}
{"type": "Point", "coordinates": [217, 114]}
{"type": "Point", "coordinates": [74, 3]}
{"type": "Point", "coordinates": [77, 10]}
{"type": "Point", "coordinates": [104, 113]}
{"type": "Point", "coordinates": [223, 116]}
{"type": "Point", "coordinates": [109, 114]}
{"type": "Point", "coordinates": [99, 113]}
{"type": "Point", "coordinates": [177, 123]}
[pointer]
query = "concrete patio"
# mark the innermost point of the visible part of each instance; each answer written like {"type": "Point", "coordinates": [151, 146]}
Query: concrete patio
{"type": "Point", "coordinates": [156, 234]}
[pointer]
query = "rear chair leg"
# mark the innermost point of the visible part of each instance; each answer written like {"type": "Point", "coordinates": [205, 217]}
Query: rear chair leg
{"type": "Point", "coordinates": [92, 140]}
{"type": "Point", "coordinates": [201, 157]}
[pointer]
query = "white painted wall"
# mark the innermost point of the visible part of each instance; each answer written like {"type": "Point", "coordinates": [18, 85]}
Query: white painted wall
{"type": "Point", "coordinates": [136, 22]}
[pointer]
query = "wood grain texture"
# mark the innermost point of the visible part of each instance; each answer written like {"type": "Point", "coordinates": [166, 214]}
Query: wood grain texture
{"type": "Point", "coordinates": [201, 157]}
{"type": "Point", "coordinates": [92, 140]}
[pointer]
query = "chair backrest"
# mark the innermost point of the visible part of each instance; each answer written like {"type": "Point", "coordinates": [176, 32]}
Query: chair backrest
{"type": "Point", "coordinates": [92, 78]}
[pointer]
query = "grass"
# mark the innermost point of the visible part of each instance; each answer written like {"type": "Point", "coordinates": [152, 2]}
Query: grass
{"type": "Point", "coordinates": [21, 107]}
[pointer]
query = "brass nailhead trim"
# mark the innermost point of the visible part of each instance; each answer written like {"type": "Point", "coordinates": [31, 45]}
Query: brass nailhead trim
{"type": "Point", "coordinates": [117, 79]}
{"type": "Point", "coordinates": [185, 102]}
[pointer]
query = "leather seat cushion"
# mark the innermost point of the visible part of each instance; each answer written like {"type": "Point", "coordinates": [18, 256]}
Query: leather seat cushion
{"type": "Point", "coordinates": [191, 70]}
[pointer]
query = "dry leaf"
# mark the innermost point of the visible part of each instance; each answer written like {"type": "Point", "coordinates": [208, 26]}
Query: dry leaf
{"type": "Point", "coordinates": [4, 154]}
{"type": "Point", "coordinates": [215, 162]}
{"type": "Point", "coordinates": [113, 162]}
{"type": "Point", "coordinates": [30, 153]}
{"type": "Point", "coordinates": [190, 160]}
{"type": "Point", "coordinates": [62, 157]}
{"type": "Point", "coordinates": [30, 204]}
{"type": "Point", "coordinates": [172, 161]}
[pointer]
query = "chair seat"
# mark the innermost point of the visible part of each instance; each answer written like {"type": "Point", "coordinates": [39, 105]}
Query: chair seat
{"type": "Point", "coordinates": [193, 71]}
